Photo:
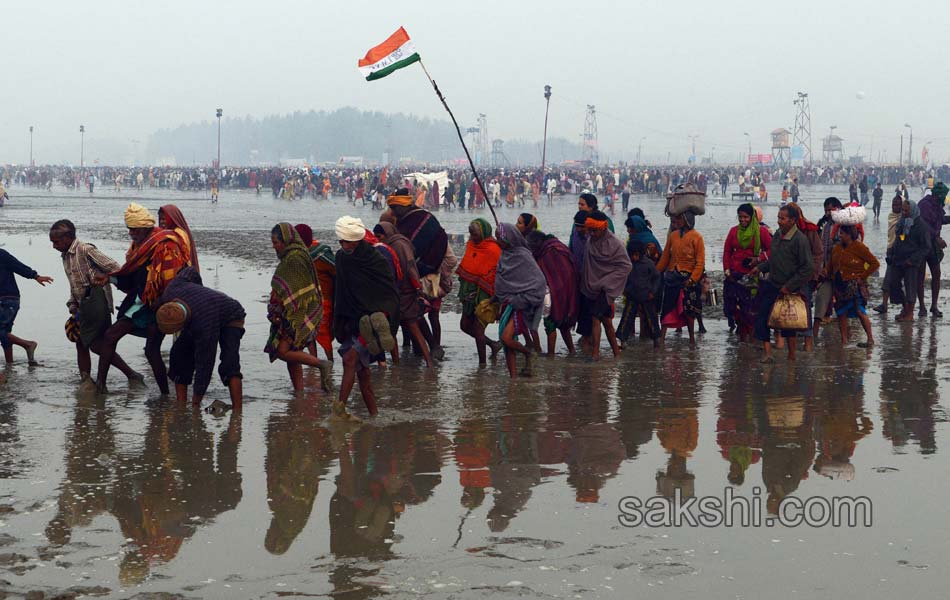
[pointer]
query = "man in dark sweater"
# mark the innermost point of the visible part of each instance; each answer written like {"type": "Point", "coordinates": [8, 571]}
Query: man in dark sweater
{"type": "Point", "coordinates": [205, 318]}
{"type": "Point", "coordinates": [789, 268]}
{"type": "Point", "coordinates": [640, 292]}
{"type": "Point", "coordinates": [10, 304]}
{"type": "Point", "coordinates": [934, 217]}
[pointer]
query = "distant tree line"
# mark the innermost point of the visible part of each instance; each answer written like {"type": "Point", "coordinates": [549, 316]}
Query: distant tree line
{"type": "Point", "coordinates": [323, 136]}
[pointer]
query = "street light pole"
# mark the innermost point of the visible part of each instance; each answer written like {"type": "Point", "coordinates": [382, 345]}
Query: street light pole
{"type": "Point", "coordinates": [693, 147]}
{"type": "Point", "coordinates": [31, 145]}
{"type": "Point", "coordinates": [910, 145]}
{"type": "Point", "coordinates": [750, 146]}
{"type": "Point", "coordinates": [544, 146]}
{"type": "Point", "coordinates": [82, 146]}
{"type": "Point", "coordinates": [219, 112]}
{"type": "Point", "coordinates": [639, 147]}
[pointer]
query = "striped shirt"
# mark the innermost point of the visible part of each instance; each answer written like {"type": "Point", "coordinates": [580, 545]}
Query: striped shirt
{"type": "Point", "coordinates": [82, 262]}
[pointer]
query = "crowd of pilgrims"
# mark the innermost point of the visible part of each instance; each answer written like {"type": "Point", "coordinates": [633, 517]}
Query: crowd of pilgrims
{"type": "Point", "coordinates": [396, 273]}
{"type": "Point", "coordinates": [513, 186]}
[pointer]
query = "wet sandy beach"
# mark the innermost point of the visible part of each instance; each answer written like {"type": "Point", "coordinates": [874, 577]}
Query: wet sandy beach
{"type": "Point", "coordinates": [468, 485]}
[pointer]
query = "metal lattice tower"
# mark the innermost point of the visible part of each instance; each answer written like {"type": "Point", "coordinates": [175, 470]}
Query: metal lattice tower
{"type": "Point", "coordinates": [802, 134]}
{"type": "Point", "coordinates": [498, 157]}
{"type": "Point", "coordinates": [482, 141]}
{"type": "Point", "coordinates": [832, 147]}
{"type": "Point", "coordinates": [781, 151]}
{"type": "Point", "coordinates": [590, 136]}
{"type": "Point", "coordinates": [475, 143]}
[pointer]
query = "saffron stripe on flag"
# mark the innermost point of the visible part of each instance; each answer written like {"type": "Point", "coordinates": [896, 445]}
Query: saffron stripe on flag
{"type": "Point", "coordinates": [383, 50]}
{"type": "Point", "coordinates": [397, 52]}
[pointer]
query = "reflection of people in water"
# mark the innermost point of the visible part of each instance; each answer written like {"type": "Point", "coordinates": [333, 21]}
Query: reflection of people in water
{"type": "Point", "coordinates": [362, 510]}
{"type": "Point", "coordinates": [909, 391]}
{"type": "Point", "coordinates": [788, 445]}
{"type": "Point", "coordinates": [736, 430]}
{"type": "Point", "coordinates": [160, 491]}
{"type": "Point", "coordinates": [90, 448]}
{"type": "Point", "coordinates": [472, 458]}
{"type": "Point", "coordinates": [10, 446]}
{"type": "Point", "coordinates": [473, 446]}
{"type": "Point", "coordinates": [841, 421]}
{"type": "Point", "coordinates": [424, 446]}
{"type": "Point", "coordinates": [154, 492]}
{"type": "Point", "coordinates": [514, 470]}
{"type": "Point", "coordinates": [596, 448]}
{"type": "Point", "coordinates": [595, 456]}
{"type": "Point", "coordinates": [382, 471]}
{"type": "Point", "coordinates": [299, 454]}
{"type": "Point", "coordinates": [636, 410]}
{"type": "Point", "coordinates": [677, 428]}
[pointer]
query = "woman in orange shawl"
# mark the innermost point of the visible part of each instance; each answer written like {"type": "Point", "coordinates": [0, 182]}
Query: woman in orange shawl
{"type": "Point", "coordinates": [152, 261]}
{"type": "Point", "coordinates": [324, 263]}
{"type": "Point", "coordinates": [171, 218]}
{"type": "Point", "coordinates": [477, 282]}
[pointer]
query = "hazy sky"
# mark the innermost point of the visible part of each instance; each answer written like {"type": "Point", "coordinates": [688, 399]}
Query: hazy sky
{"type": "Point", "coordinates": [661, 69]}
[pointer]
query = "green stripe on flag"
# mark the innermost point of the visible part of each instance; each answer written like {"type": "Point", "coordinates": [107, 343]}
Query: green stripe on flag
{"type": "Point", "coordinates": [393, 67]}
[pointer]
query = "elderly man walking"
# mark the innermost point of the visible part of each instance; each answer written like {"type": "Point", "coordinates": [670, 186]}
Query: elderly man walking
{"type": "Point", "coordinates": [90, 307]}
{"type": "Point", "coordinates": [789, 267]}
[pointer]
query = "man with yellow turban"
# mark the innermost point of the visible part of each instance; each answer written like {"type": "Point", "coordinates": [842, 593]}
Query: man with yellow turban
{"type": "Point", "coordinates": [151, 263]}
{"type": "Point", "coordinates": [429, 242]}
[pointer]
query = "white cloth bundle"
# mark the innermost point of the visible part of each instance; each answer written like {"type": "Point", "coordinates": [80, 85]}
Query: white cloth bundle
{"type": "Point", "coordinates": [849, 215]}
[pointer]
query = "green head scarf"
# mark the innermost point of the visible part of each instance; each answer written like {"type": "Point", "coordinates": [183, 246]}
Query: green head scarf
{"type": "Point", "coordinates": [483, 226]}
{"type": "Point", "coordinates": [751, 234]}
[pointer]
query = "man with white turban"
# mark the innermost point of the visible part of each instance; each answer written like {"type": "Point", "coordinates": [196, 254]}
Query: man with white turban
{"type": "Point", "coordinates": [365, 311]}
{"type": "Point", "coordinates": [350, 229]}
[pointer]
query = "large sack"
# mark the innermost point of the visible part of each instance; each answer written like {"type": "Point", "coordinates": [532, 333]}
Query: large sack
{"type": "Point", "coordinates": [849, 215]}
{"type": "Point", "coordinates": [789, 312]}
{"type": "Point", "coordinates": [686, 197]}
{"type": "Point", "coordinates": [487, 312]}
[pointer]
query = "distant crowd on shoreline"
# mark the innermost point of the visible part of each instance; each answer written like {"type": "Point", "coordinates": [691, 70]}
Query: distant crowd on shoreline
{"type": "Point", "coordinates": [455, 186]}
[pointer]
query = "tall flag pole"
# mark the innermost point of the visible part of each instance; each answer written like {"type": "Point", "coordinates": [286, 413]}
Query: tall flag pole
{"type": "Point", "coordinates": [397, 52]}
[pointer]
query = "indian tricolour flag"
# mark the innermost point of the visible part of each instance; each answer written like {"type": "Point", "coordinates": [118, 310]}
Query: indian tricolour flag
{"type": "Point", "coordinates": [396, 52]}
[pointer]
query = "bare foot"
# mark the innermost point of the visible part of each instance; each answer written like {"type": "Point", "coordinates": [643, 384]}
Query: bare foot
{"type": "Point", "coordinates": [339, 414]}
{"type": "Point", "coordinates": [326, 376]}
{"type": "Point", "coordinates": [31, 354]}
{"type": "Point", "coordinates": [87, 386]}
{"type": "Point", "coordinates": [136, 379]}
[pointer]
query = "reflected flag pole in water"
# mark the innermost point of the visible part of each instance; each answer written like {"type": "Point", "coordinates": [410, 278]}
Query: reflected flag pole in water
{"type": "Point", "coordinates": [397, 52]}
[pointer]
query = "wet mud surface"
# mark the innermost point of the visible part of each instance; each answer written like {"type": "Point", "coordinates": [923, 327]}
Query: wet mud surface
{"type": "Point", "coordinates": [468, 484]}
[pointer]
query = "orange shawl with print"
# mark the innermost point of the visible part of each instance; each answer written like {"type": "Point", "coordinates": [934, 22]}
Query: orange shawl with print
{"type": "Point", "coordinates": [163, 254]}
